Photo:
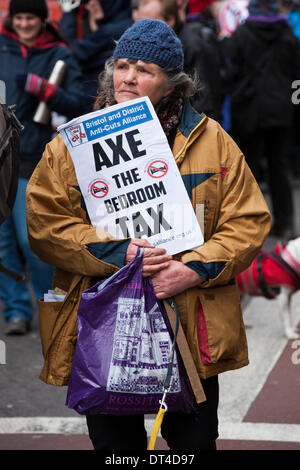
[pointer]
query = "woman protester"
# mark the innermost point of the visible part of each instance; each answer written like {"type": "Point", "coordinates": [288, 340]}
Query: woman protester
{"type": "Point", "coordinates": [148, 60]}
{"type": "Point", "coordinates": [30, 47]}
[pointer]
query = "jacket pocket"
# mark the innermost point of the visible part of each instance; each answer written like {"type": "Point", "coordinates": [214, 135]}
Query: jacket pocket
{"type": "Point", "coordinates": [220, 324]}
{"type": "Point", "coordinates": [203, 342]}
{"type": "Point", "coordinates": [48, 312]}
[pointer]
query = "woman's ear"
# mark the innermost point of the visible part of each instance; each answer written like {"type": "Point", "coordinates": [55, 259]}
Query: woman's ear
{"type": "Point", "coordinates": [168, 92]}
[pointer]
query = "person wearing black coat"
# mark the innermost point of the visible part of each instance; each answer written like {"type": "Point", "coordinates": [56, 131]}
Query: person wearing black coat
{"type": "Point", "coordinates": [92, 34]}
{"type": "Point", "coordinates": [202, 52]}
{"type": "Point", "coordinates": [265, 59]}
{"type": "Point", "coordinates": [203, 57]}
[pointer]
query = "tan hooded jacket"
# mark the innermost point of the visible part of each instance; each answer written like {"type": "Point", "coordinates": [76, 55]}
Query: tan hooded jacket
{"type": "Point", "coordinates": [236, 223]}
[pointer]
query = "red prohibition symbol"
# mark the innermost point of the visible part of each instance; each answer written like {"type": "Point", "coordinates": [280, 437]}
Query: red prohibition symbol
{"type": "Point", "coordinates": [157, 169]}
{"type": "Point", "coordinates": [99, 189]}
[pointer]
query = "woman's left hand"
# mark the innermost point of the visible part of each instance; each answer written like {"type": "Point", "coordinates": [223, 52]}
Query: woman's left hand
{"type": "Point", "coordinates": [174, 279]}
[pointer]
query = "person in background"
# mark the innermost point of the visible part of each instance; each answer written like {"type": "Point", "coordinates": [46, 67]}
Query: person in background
{"type": "Point", "coordinates": [148, 61]}
{"type": "Point", "coordinates": [91, 30]}
{"type": "Point", "coordinates": [30, 47]}
{"type": "Point", "coordinates": [203, 18]}
{"type": "Point", "coordinates": [265, 59]}
{"type": "Point", "coordinates": [202, 52]}
{"type": "Point", "coordinates": [291, 8]}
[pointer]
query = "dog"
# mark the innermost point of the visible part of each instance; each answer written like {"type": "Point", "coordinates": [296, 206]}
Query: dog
{"type": "Point", "coordinates": [274, 275]}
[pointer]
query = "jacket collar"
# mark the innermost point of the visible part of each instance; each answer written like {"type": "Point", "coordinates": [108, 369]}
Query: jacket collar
{"type": "Point", "coordinates": [190, 119]}
{"type": "Point", "coordinates": [192, 124]}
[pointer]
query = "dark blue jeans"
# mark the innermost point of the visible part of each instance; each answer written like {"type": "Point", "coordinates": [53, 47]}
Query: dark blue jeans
{"type": "Point", "coordinates": [15, 253]}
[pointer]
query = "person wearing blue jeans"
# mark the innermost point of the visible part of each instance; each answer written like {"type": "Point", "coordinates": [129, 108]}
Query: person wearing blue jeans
{"type": "Point", "coordinates": [30, 48]}
{"type": "Point", "coordinates": [17, 255]}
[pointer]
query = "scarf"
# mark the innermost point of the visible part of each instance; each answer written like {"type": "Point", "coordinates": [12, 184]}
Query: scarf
{"type": "Point", "coordinates": [170, 115]}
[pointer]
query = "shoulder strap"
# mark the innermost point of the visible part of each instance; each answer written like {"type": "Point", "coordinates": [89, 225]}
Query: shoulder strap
{"type": "Point", "coordinates": [12, 123]}
{"type": "Point", "coordinates": [263, 59]}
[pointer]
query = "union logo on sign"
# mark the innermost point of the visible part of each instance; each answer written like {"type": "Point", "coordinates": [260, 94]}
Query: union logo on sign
{"type": "Point", "coordinates": [76, 134]}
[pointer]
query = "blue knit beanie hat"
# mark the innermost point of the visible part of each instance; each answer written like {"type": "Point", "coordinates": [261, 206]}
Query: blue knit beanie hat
{"type": "Point", "coordinates": [151, 41]}
{"type": "Point", "coordinates": [264, 7]}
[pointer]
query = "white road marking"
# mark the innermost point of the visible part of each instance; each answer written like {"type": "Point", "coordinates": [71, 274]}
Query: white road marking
{"type": "Point", "coordinates": [77, 425]}
{"type": "Point", "coordinates": [260, 432]}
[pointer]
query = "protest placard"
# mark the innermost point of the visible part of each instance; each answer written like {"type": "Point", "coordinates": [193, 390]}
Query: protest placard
{"type": "Point", "coordinates": [128, 176]}
{"type": "Point", "coordinates": [231, 14]}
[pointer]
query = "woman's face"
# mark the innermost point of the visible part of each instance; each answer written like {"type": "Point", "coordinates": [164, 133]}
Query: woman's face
{"type": "Point", "coordinates": [133, 80]}
{"type": "Point", "coordinates": [27, 26]}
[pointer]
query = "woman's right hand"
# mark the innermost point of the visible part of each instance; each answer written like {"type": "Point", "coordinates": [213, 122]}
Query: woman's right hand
{"type": "Point", "coordinates": [155, 259]}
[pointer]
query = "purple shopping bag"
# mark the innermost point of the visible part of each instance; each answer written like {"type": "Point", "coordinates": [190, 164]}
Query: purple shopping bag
{"type": "Point", "coordinates": [123, 350]}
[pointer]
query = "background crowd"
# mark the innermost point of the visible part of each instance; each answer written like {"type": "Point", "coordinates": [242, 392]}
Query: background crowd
{"type": "Point", "coordinates": [245, 82]}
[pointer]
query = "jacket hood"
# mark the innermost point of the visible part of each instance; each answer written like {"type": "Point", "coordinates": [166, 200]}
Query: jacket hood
{"type": "Point", "coordinates": [267, 31]}
{"type": "Point", "coordinates": [112, 10]}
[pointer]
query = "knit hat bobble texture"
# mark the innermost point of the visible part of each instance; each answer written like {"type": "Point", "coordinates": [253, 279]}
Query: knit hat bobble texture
{"type": "Point", "coordinates": [151, 41]}
{"type": "Point", "coordinates": [37, 7]}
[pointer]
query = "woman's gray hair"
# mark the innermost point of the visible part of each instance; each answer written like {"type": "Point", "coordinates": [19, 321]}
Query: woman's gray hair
{"type": "Point", "coordinates": [182, 84]}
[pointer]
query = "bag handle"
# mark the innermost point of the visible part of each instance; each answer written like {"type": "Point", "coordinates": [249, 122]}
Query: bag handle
{"type": "Point", "coordinates": [139, 253]}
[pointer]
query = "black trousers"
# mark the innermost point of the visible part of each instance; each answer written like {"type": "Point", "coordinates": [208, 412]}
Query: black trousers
{"type": "Point", "coordinates": [181, 431]}
{"type": "Point", "coordinates": [272, 144]}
